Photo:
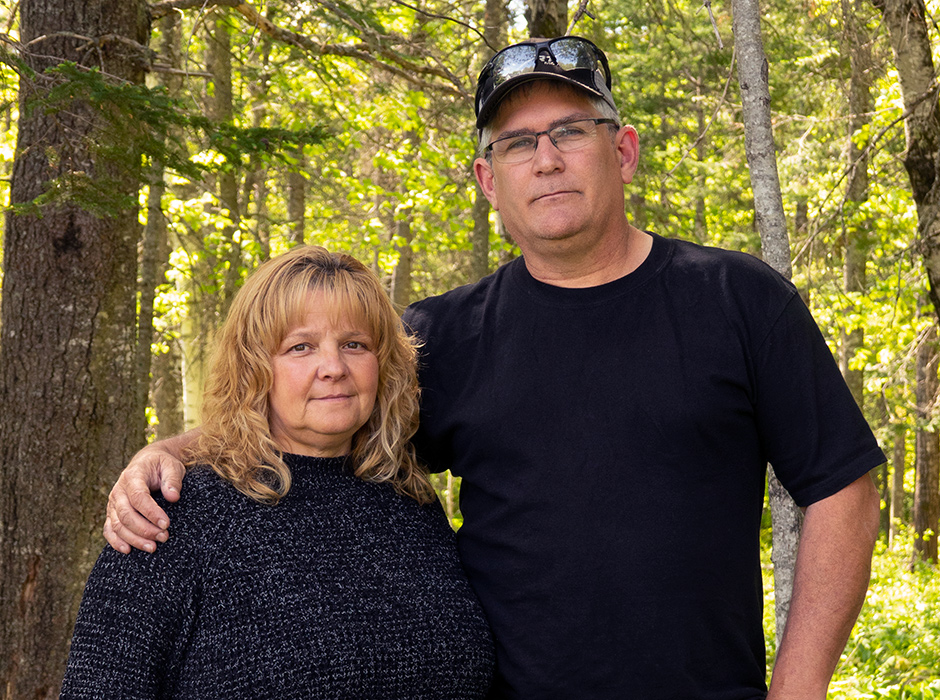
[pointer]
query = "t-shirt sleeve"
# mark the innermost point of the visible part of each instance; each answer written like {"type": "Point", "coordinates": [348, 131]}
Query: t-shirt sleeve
{"type": "Point", "coordinates": [417, 321]}
{"type": "Point", "coordinates": [132, 621]}
{"type": "Point", "coordinates": [814, 433]}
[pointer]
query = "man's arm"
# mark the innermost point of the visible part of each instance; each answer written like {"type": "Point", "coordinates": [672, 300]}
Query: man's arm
{"type": "Point", "coordinates": [134, 519]}
{"type": "Point", "coordinates": [833, 567]}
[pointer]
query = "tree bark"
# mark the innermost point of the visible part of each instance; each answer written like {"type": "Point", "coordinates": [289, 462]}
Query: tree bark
{"type": "Point", "coordinates": [910, 43]}
{"type": "Point", "coordinates": [401, 277]}
{"type": "Point", "coordinates": [856, 239]}
{"type": "Point", "coordinates": [753, 75]}
{"type": "Point", "coordinates": [495, 21]}
{"type": "Point", "coordinates": [154, 246]}
{"type": "Point", "coordinates": [221, 110]}
{"type": "Point", "coordinates": [167, 392]}
{"type": "Point", "coordinates": [772, 225]}
{"type": "Point", "coordinates": [926, 453]}
{"type": "Point", "coordinates": [67, 345]}
{"type": "Point", "coordinates": [159, 375]}
{"type": "Point", "coordinates": [297, 200]}
{"type": "Point", "coordinates": [547, 18]}
{"type": "Point", "coordinates": [896, 518]}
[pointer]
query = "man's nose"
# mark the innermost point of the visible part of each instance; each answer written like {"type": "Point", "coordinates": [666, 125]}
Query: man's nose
{"type": "Point", "coordinates": [547, 158]}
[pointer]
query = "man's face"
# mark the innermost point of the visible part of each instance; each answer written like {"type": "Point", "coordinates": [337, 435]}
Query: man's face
{"type": "Point", "coordinates": [558, 202]}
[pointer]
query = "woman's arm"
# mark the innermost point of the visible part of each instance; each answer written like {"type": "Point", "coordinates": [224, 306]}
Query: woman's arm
{"type": "Point", "coordinates": [135, 615]}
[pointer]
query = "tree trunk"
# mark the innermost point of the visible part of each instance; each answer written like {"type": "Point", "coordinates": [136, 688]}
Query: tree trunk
{"type": "Point", "coordinates": [221, 110]}
{"type": "Point", "coordinates": [194, 344]}
{"type": "Point", "coordinates": [209, 292]}
{"type": "Point", "coordinates": [898, 459]}
{"type": "Point", "coordinates": [856, 239]}
{"type": "Point", "coordinates": [926, 453]}
{"type": "Point", "coordinates": [67, 377]}
{"type": "Point", "coordinates": [153, 259]}
{"type": "Point", "coordinates": [167, 392]}
{"type": "Point", "coordinates": [297, 200]}
{"type": "Point", "coordinates": [772, 225]}
{"type": "Point", "coordinates": [495, 21]}
{"type": "Point", "coordinates": [401, 277]}
{"type": "Point", "coordinates": [154, 247]}
{"type": "Point", "coordinates": [700, 224]}
{"type": "Point", "coordinates": [547, 18]}
{"type": "Point", "coordinates": [255, 188]}
{"type": "Point", "coordinates": [910, 44]}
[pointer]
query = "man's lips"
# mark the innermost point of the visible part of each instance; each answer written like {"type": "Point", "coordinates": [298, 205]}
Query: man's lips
{"type": "Point", "coordinates": [550, 195]}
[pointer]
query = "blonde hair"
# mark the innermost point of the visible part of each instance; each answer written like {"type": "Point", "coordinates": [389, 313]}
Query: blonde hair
{"type": "Point", "coordinates": [236, 438]}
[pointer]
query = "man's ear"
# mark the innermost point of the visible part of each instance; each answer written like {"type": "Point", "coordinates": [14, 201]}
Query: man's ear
{"type": "Point", "coordinates": [628, 146]}
{"type": "Point", "coordinates": [484, 173]}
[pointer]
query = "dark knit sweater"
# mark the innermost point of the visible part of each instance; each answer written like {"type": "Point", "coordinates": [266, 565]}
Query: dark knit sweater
{"type": "Point", "coordinates": [345, 589]}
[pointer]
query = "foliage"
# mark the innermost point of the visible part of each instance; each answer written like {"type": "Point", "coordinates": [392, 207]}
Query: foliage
{"type": "Point", "coordinates": [894, 650]}
{"type": "Point", "coordinates": [138, 121]}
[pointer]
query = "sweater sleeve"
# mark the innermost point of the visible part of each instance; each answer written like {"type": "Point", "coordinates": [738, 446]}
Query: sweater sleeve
{"type": "Point", "coordinates": [133, 622]}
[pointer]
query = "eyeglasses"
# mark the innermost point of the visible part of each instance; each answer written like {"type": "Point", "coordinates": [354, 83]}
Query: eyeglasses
{"type": "Point", "coordinates": [566, 138]}
{"type": "Point", "coordinates": [571, 57]}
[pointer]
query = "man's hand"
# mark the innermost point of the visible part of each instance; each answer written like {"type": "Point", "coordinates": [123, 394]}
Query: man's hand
{"type": "Point", "coordinates": [134, 519]}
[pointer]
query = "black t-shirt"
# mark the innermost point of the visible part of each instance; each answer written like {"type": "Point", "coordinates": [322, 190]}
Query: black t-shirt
{"type": "Point", "coordinates": [612, 443]}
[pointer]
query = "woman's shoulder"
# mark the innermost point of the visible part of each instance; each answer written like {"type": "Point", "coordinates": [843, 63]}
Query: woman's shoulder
{"type": "Point", "coordinates": [206, 503]}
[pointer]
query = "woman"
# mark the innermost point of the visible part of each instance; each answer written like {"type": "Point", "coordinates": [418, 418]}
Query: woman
{"type": "Point", "coordinates": [309, 558]}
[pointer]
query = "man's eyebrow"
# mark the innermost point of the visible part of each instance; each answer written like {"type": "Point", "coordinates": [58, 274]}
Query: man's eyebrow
{"type": "Point", "coordinates": [577, 116]}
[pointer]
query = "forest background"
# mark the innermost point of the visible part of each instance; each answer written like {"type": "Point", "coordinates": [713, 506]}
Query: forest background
{"type": "Point", "coordinates": [166, 149]}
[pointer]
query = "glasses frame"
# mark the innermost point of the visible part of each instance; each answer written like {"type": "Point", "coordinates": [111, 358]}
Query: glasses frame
{"type": "Point", "coordinates": [548, 132]}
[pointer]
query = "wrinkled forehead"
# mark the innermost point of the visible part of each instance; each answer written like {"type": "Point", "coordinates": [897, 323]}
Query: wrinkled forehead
{"type": "Point", "coordinates": [519, 96]}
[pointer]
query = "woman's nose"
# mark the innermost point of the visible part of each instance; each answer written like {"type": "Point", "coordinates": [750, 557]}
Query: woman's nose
{"type": "Point", "coordinates": [332, 363]}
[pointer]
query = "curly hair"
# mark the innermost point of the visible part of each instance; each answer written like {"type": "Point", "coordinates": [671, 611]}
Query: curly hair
{"type": "Point", "coordinates": [236, 439]}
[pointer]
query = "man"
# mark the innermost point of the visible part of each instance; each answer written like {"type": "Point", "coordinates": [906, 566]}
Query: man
{"type": "Point", "coordinates": [611, 400]}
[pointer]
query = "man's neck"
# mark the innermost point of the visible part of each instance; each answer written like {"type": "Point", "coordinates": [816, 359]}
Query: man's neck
{"type": "Point", "coordinates": [602, 264]}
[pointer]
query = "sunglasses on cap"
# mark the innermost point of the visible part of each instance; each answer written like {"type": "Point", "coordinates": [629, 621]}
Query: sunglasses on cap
{"type": "Point", "coordinates": [569, 59]}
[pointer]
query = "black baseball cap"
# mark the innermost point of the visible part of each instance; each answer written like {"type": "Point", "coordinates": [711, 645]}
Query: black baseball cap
{"type": "Point", "coordinates": [570, 59]}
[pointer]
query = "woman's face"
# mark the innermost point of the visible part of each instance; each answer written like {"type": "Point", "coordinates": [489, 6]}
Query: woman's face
{"type": "Point", "coordinates": [325, 379]}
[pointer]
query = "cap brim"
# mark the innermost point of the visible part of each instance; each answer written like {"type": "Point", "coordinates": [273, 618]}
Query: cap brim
{"type": "Point", "coordinates": [488, 110]}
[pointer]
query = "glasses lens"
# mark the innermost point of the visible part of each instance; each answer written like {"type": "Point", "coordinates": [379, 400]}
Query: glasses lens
{"type": "Point", "coordinates": [574, 135]}
{"type": "Point", "coordinates": [516, 60]}
{"type": "Point", "coordinates": [514, 150]}
{"type": "Point", "coordinates": [573, 53]}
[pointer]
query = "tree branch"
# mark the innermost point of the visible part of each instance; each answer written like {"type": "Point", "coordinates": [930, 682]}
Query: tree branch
{"type": "Point", "coordinates": [447, 19]}
{"type": "Point", "coordinates": [721, 103]}
{"type": "Point", "coordinates": [707, 4]}
{"type": "Point", "coordinates": [931, 92]}
{"type": "Point", "coordinates": [578, 14]}
{"type": "Point", "coordinates": [366, 52]}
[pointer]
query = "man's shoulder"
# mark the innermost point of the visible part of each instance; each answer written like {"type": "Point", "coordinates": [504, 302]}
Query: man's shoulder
{"type": "Point", "coordinates": [736, 270]}
{"type": "Point", "coordinates": [459, 305]}
{"type": "Point", "coordinates": [697, 254]}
